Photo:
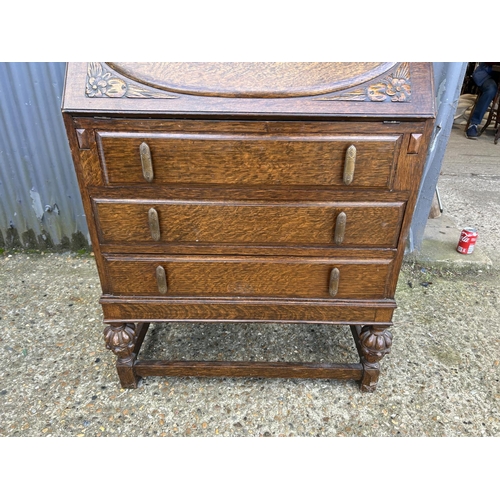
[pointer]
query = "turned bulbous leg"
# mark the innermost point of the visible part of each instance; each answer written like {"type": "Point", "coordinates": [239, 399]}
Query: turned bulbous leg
{"type": "Point", "coordinates": [374, 343]}
{"type": "Point", "coordinates": [121, 339]}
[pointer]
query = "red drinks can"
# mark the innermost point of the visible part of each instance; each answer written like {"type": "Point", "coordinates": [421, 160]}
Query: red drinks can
{"type": "Point", "coordinates": [467, 240]}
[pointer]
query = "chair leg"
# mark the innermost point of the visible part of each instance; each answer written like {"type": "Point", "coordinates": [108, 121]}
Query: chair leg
{"type": "Point", "coordinates": [493, 111]}
{"type": "Point", "coordinates": [497, 119]}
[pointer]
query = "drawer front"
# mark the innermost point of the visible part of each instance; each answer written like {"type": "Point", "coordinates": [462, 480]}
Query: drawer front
{"type": "Point", "coordinates": [339, 224]}
{"type": "Point", "coordinates": [305, 160]}
{"type": "Point", "coordinates": [247, 277]}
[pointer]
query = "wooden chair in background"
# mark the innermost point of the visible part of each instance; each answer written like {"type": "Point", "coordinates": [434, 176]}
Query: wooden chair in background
{"type": "Point", "coordinates": [493, 116]}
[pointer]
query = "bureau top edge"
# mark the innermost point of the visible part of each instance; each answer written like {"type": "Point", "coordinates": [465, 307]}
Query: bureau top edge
{"type": "Point", "coordinates": [388, 91]}
{"type": "Point", "coordinates": [183, 115]}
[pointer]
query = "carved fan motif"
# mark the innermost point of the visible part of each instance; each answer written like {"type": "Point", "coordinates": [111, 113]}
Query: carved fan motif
{"type": "Point", "coordinates": [395, 87]}
{"type": "Point", "coordinates": [103, 83]}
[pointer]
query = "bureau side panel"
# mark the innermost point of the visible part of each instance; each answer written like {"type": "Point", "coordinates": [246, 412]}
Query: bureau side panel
{"type": "Point", "coordinates": [409, 177]}
{"type": "Point", "coordinates": [88, 173]}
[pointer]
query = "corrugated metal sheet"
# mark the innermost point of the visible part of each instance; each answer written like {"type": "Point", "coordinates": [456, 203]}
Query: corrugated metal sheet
{"type": "Point", "coordinates": [40, 204]}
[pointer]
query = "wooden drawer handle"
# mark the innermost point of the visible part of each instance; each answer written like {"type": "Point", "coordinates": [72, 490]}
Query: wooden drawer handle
{"type": "Point", "coordinates": [154, 224]}
{"type": "Point", "coordinates": [161, 280]}
{"type": "Point", "coordinates": [338, 237]}
{"type": "Point", "coordinates": [147, 164]}
{"type": "Point", "coordinates": [334, 282]}
{"type": "Point", "coordinates": [350, 164]}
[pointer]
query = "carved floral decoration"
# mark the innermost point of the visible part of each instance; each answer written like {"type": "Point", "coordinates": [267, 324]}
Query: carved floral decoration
{"type": "Point", "coordinates": [395, 87]}
{"type": "Point", "coordinates": [103, 83]}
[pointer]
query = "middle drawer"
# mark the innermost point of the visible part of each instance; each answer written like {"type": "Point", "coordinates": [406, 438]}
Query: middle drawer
{"type": "Point", "coordinates": [352, 224]}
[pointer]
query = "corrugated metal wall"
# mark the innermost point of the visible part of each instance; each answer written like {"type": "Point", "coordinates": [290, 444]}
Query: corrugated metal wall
{"type": "Point", "coordinates": [40, 204]}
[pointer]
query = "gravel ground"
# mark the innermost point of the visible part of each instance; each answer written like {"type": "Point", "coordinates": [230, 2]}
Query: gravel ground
{"type": "Point", "coordinates": [57, 378]}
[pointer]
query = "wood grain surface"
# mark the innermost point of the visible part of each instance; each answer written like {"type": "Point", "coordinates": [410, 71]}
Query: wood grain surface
{"type": "Point", "coordinates": [247, 277]}
{"type": "Point", "coordinates": [146, 368]}
{"type": "Point", "coordinates": [251, 79]}
{"type": "Point", "coordinates": [248, 160]}
{"type": "Point", "coordinates": [368, 225]}
{"type": "Point", "coordinates": [123, 95]}
{"type": "Point", "coordinates": [347, 312]}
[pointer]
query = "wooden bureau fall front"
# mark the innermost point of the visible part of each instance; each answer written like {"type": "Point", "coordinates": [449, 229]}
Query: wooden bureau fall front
{"type": "Point", "coordinates": [276, 192]}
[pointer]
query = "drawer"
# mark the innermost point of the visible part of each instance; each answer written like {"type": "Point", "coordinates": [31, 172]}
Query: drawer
{"type": "Point", "coordinates": [247, 277]}
{"type": "Point", "coordinates": [245, 159]}
{"type": "Point", "coordinates": [250, 223]}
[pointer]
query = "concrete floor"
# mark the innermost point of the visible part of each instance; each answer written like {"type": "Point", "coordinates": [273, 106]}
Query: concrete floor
{"type": "Point", "coordinates": [469, 189]}
{"type": "Point", "coordinates": [441, 378]}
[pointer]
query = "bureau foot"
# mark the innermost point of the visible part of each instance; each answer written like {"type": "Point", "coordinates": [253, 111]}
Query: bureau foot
{"type": "Point", "coordinates": [373, 343]}
{"type": "Point", "coordinates": [125, 340]}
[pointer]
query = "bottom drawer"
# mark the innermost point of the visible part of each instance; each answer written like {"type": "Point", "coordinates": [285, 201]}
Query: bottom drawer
{"type": "Point", "coordinates": [145, 309]}
{"type": "Point", "coordinates": [247, 277]}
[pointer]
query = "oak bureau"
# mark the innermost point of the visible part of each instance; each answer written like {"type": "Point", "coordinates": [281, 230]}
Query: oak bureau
{"type": "Point", "coordinates": [276, 192]}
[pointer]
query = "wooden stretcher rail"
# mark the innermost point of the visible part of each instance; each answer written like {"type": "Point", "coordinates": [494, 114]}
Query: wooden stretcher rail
{"type": "Point", "coordinates": [146, 368]}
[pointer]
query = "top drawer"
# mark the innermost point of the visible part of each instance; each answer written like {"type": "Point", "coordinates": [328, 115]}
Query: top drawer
{"type": "Point", "coordinates": [250, 160]}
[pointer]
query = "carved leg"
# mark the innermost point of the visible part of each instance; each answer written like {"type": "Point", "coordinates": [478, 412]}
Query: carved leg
{"type": "Point", "coordinates": [121, 338]}
{"type": "Point", "coordinates": [373, 343]}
